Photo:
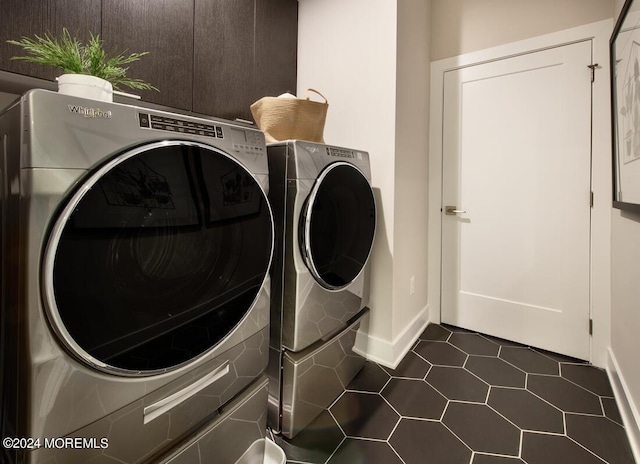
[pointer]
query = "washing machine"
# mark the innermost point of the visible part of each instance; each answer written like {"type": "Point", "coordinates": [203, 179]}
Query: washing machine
{"type": "Point", "coordinates": [136, 245]}
{"type": "Point", "coordinates": [325, 216]}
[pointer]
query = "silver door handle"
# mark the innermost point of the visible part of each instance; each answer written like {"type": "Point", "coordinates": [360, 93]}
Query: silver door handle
{"type": "Point", "coordinates": [171, 401]}
{"type": "Point", "coordinates": [451, 210]}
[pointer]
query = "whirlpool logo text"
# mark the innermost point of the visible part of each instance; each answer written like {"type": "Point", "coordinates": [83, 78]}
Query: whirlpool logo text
{"type": "Point", "coordinates": [89, 112]}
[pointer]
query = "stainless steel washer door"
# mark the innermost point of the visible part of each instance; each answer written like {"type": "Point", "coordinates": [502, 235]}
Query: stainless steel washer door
{"type": "Point", "coordinates": [156, 257]}
{"type": "Point", "coordinates": [338, 225]}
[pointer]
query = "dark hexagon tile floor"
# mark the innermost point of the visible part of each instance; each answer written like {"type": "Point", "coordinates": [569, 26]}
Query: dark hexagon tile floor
{"type": "Point", "coordinates": [460, 397]}
{"type": "Point", "coordinates": [458, 384]}
{"type": "Point", "coordinates": [474, 344]}
{"type": "Point", "coordinates": [414, 398]}
{"type": "Point", "coordinates": [495, 371]}
{"type": "Point", "coordinates": [412, 366]}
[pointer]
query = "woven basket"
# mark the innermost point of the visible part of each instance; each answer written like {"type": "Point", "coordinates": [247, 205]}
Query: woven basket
{"type": "Point", "coordinates": [291, 118]}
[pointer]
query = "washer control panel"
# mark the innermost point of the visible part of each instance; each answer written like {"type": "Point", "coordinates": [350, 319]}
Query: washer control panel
{"type": "Point", "coordinates": [180, 126]}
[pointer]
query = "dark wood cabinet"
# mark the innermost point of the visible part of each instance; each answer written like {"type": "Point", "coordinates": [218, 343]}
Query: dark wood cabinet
{"type": "Point", "coordinates": [224, 57]}
{"type": "Point", "coordinates": [78, 19]}
{"type": "Point", "coordinates": [213, 57]}
{"type": "Point", "coordinates": [276, 47]}
{"type": "Point", "coordinates": [164, 28]}
{"type": "Point", "coordinates": [244, 50]}
{"type": "Point", "coordinates": [22, 18]}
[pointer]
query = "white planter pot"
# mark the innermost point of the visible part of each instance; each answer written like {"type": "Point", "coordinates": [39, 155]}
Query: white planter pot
{"type": "Point", "coordinates": [82, 85]}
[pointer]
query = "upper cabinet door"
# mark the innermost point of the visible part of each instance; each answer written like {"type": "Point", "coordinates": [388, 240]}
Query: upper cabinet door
{"type": "Point", "coordinates": [20, 18]}
{"type": "Point", "coordinates": [244, 50]}
{"type": "Point", "coordinates": [276, 47]}
{"type": "Point", "coordinates": [224, 58]}
{"type": "Point", "coordinates": [79, 21]}
{"type": "Point", "coordinates": [164, 28]}
{"type": "Point", "coordinates": [27, 18]}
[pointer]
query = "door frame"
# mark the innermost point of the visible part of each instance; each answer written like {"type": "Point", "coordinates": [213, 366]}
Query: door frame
{"type": "Point", "coordinates": [600, 265]}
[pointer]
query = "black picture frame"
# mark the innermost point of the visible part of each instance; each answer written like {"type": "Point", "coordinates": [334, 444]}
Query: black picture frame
{"type": "Point", "coordinates": [620, 201]}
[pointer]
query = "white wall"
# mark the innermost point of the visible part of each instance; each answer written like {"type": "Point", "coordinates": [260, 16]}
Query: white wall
{"type": "Point", "coordinates": [463, 26]}
{"type": "Point", "coordinates": [346, 50]}
{"type": "Point", "coordinates": [370, 59]}
{"type": "Point", "coordinates": [625, 309]}
{"type": "Point", "coordinates": [411, 168]}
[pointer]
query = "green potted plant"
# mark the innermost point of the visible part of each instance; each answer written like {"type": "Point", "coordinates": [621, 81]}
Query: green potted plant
{"type": "Point", "coordinates": [89, 70]}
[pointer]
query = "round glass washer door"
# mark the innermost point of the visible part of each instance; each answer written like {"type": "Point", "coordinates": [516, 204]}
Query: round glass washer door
{"type": "Point", "coordinates": [338, 225]}
{"type": "Point", "coordinates": [156, 257]}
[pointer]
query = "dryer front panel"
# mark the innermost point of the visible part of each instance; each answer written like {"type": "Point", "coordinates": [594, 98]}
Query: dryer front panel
{"type": "Point", "coordinates": [338, 225]}
{"type": "Point", "coordinates": [156, 257]}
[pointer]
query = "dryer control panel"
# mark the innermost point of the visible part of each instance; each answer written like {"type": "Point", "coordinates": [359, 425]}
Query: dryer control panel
{"type": "Point", "coordinates": [248, 141]}
{"type": "Point", "coordinates": [344, 153]}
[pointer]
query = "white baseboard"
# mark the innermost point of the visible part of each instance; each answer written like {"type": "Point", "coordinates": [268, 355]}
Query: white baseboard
{"type": "Point", "coordinates": [387, 353]}
{"type": "Point", "coordinates": [626, 404]}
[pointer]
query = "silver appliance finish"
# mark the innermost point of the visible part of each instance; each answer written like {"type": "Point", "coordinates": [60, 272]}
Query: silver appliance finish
{"type": "Point", "coordinates": [309, 321]}
{"type": "Point", "coordinates": [313, 379]}
{"type": "Point", "coordinates": [48, 143]}
{"type": "Point", "coordinates": [242, 423]}
{"type": "Point", "coordinates": [317, 311]}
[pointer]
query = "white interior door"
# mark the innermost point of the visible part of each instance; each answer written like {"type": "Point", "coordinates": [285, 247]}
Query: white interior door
{"type": "Point", "coordinates": [517, 162]}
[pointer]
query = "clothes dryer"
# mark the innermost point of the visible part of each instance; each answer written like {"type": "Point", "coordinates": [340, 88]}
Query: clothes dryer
{"type": "Point", "coordinates": [325, 216]}
{"type": "Point", "coordinates": [136, 245]}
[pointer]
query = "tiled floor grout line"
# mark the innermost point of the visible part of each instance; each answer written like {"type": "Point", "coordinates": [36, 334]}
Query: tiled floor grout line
{"type": "Point", "coordinates": [337, 448]}
{"type": "Point", "coordinates": [344, 434]}
{"type": "Point", "coordinates": [376, 440]}
{"type": "Point", "coordinates": [420, 356]}
{"type": "Point", "coordinates": [393, 408]}
{"type": "Point", "coordinates": [583, 387]}
{"type": "Point", "coordinates": [396, 453]}
{"type": "Point", "coordinates": [546, 375]}
{"type": "Point", "coordinates": [428, 371]}
{"type": "Point", "coordinates": [546, 401]}
{"type": "Point", "coordinates": [586, 414]}
{"type": "Point", "coordinates": [542, 432]}
{"type": "Point", "coordinates": [467, 402]}
{"type": "Point", "coordinates": [446, 406]}
{"type": "Point", "coordinates": [521, 443]}
{"type": "Point", "coordinates": [588, 450]}
{"type": "Point", "coordinates": [509, 387]}
{"type": "Point", "coordinates": [476, 355]}
{"type": "Point", "coordinates": [513, 365]}
{"type": "Point", "coordinates": [615, 422]}
{"type": "Point", "coordinates": [479, 378]}
{"type": "Point", "coordinates": [456, 435]}
{"type": "Point", "coordinates": [393, 431]}
{"type": "Point", "coordinates": [505, 418]}
{"type": "Point", "coordinates": [420, 419]}
{"type": "Point", "coordinates": [406, 378]}
{"type": "Point", "coordinates": [337, 399]}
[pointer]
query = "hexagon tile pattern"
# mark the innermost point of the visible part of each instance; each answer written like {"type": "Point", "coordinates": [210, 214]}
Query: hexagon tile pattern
{"type": "Point", "coordinates": [460, 397]}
